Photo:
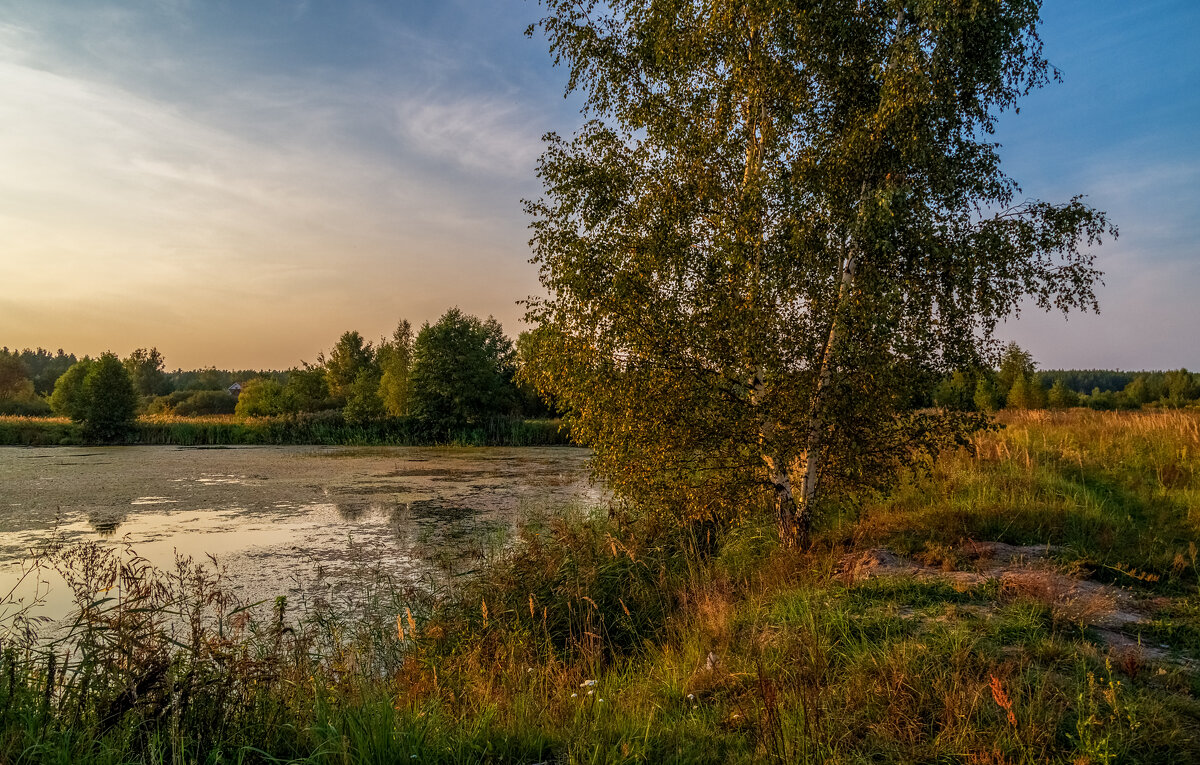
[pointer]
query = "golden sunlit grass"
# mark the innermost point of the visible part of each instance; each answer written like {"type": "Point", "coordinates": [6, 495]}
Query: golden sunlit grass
{"type": "Point", "coordinates": [199, 419]}
{"type": "Point", "coordinates": [12, 419]}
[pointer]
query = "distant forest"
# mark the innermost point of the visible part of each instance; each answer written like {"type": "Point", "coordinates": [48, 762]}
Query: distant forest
{"type": "Point", "coordinates": [1018, 384]}
{"type": "Point", "coordinates": [462, 370]}
{"type": "Point", "coordinates": [456, 372]}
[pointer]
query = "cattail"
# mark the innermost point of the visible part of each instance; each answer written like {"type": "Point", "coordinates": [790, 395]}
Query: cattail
{"type": "Point", "coordinates": [400, 626]}
{"type": "Point", "coordinates": [531, 612]}
{"type": "Point", "coordinates": [483, 608]}
{"type": "Point", "coordinates": [412, 623]}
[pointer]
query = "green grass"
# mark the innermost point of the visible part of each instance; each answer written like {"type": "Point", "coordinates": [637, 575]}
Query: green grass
{"type": "Point", "coordinates": [733, 652]}
{"type": "Point", "coordinates": [1112, 491]}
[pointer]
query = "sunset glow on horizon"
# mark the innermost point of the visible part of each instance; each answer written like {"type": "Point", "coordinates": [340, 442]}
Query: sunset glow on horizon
{"type": "Point", "coordinates": [237, 184]}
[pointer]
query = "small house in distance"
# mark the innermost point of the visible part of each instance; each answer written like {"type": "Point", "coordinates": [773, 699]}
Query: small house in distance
{"type": "Point", "coordinates": [235, 390]}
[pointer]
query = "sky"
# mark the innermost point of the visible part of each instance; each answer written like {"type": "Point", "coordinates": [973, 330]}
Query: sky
{"type": "Point", "coordinates": [237, 183]}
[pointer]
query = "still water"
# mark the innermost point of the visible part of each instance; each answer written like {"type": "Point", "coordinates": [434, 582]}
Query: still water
{"type": "Point", "coordinates": [279, 519]}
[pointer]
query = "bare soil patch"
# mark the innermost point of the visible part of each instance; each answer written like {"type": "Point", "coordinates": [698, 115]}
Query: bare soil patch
{"type": "Point", "coordinates": [1023, 572]}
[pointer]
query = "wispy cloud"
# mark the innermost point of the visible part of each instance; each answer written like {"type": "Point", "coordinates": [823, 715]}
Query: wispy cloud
{"type": "Point", "coordinates": [480, 134]}
{"type": "Point", "coordinates": [229, 208]}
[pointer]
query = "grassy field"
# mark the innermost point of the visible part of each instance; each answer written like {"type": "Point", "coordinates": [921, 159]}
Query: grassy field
{"type": "Point", "coordinates": [320, 429]}
{"type": "Point", "coordinates": [906, 635]}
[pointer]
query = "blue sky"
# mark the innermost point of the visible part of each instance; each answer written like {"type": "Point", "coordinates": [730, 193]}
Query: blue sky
{"type": "Point", "coordinates": [239, 182]}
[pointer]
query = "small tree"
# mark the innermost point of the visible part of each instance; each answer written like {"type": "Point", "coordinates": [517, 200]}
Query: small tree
{"type": "Point", "coordinates": [1026, 392]}
{"type": "Point", "coordinates": [350, 356]}
{"type": "Point", "coordinates": [986, 398]}
{"type": "Point", "coordinates": [306, 390]}
{"type": "Point", "coordinates": [14, 378]}
{"type": "Point", "coordinates": [202, 402]}
{"type": "Point", "coordinates": [1014, 362]}
{"type": "Point", "coordinates": [395, 363]}
{"type": "Point", "coordinates": [17, 393]}
{"type": "Point", "coordinates": [462, 371]}
{"type": "Point", "coordinates": [109, 402]}
{"type": "Point", "coordinates": [1180, 389]}
{"type": "Point", "coordinates": [363, 403]}
{"type": "Point", "coordinates": [1061, 397]}
{"type": "Point", "coordinates": [67, 399]}
{"type": "Point", "coordinates": [1138, 391]}
{"type": "Point", "coordinates": [956, 392]}
{"type": "Point", "coordinates": [260, 397]}
{"type": "Point", "coordinates": [146, 371]}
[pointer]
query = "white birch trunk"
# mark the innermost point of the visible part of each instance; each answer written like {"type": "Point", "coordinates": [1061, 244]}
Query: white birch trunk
{"type": "Point", "coordinates": [813, 459]}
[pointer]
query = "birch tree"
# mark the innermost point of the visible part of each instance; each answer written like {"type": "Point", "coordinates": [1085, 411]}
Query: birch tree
{"type": "Point", "coordinates": [778, 218]}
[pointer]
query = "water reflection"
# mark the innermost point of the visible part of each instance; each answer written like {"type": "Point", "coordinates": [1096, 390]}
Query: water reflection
{"type": "Point", "coordinates": [106, 520]}
{"type": "Point", "coordinates": [274, 516]}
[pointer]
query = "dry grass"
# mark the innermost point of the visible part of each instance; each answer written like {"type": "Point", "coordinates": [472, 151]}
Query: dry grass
{"type": "Point", "coordinates": [12, 419]}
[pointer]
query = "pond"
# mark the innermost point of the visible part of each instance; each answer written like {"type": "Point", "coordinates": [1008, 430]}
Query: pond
{"type": "Point", "coordinates": [281, 520]}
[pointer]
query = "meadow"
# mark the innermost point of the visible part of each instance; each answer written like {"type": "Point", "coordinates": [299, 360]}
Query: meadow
{"type": "Point", "coordinates": [1035, 599]}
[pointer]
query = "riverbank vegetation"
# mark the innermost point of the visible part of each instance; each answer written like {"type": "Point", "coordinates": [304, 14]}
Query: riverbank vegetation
{"type": "Point", "coordinates": [1071, 635]}
{"type": "Point", "coordinates": [319, 429]}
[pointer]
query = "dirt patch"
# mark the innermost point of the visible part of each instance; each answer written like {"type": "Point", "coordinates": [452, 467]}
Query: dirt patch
{"type": "Point", "coordinates": [1023, 572]}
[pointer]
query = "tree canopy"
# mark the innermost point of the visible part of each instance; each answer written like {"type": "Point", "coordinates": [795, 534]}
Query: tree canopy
{"type": "Point", "coordinates": [105, 401]}
{"type": "Point", "coordinates": [395, 363]}
{"type": "Point", "coordinates": [260, 397]}
{"type": "Point", "coordinates": [67, 399]}
{"type": "Point", "coordinates": [146, 371]}
{"type": "Point", "coordinates": [347, 359]}
{"type": "Point", "coordinates": [462, 370]}
{"type": "Point", "coordinates": [779, 219]}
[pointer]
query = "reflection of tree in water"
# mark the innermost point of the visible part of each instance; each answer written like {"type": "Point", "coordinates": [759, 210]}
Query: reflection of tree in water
{"type": "Point", "coordinates": [356, 510]}
{"type": "Point", "coordinates": [106, 520]}
{"type": "Point", "coordinates": [350, 511]}
{"type": "Point", "coordinates": [437, 509]}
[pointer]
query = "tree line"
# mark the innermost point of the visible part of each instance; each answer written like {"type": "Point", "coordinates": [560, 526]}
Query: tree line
{"type": "Point", "coordinates": [1017, 384]}
{"type": "Point", "coordinates": [455, 373]}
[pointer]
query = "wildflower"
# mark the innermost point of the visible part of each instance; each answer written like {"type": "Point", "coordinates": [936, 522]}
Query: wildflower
{"type": "Point", "coordinates": [1002, 700]}
{"type": "Point", "coordinates": [574, 695]}
{"type": "Point", "coordinates": [587, 683]}
{"type": "Point", "coordinates": [590, 692]}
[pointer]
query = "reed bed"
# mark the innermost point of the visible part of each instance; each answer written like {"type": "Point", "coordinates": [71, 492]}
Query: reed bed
{"type": "Point", "coordinates": [320, 429]}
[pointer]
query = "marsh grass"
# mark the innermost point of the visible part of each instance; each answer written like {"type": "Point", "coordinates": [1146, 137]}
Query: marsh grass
{"type": "Point", "coordinates": [319, 429]}
{"type": "Point", "coordinates": [616, 640]}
